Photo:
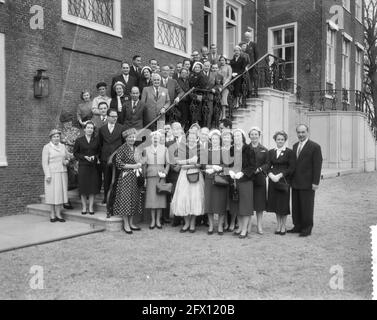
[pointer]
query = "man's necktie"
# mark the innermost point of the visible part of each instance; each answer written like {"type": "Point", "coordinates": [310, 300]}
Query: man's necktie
{"type": "Point", "coordinates": [299, 149]}
{"type": "Point", "coordinates": [133, 106]}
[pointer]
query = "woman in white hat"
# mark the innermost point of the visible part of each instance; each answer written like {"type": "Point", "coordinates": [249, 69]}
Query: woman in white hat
{"type": "Point", "coordinates": [157, 167]}
{"type": "Point", "coordinates": [197, 80]}
{"type": "Point", "coordinates": [118, 103]}
{"type": "Point", "coordinates": [54, 162]}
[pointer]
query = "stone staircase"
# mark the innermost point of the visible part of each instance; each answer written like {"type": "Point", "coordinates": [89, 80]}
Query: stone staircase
{"type": "Point", "coordinates": [242, 115]}
{"type": "Point", "coordinates": [97, 220]}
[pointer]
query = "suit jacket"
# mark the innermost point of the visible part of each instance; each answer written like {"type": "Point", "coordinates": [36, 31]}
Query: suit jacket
{"type": "Point", "coordinates": [109, 142]}
{"type": "Point", "coordinates": [308, 166]}
{"type": "Point", "coordinates": [98, 123]}
{"type": "Point", "coordinates": [239, 65]}
{"type": "Point", "coordinates": [153, 105]}
{"type": "Point", "coordinates": [132, 119]}
{"type": "Point", "coordinates": [82, 149]}
{"type": "Point", "coordinates": [173, 88]}
{"type": "Point", "coordinates": [252, 52]}
{"type": "Point", "coordinates": [135, 74]}
{"type": "Point", "coordinates": [285, 164]}
{"type": "Point", "coordinates": [132, 82]}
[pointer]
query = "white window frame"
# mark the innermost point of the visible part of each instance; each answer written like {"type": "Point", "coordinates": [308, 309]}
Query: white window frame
{"type": "Point", "coordinates": [346, 63]}
{"type": "Point", "coordinates": [187, 23]}
{"type": "Point", "coordinates": [117, 20]}
{"type": "Point", "coordinates": [213, 12]}
{"type": "Point", "coordinates": [237, 4]}
{"type": "Point", "coordinates": [3, 156]}
{"type": "Point", "coordinates": [358, 68]}
{"type": "Point", "coordinates": [271, 45]}
{"type": "Point", "coordinates": [359, 10]}
{"type": "Point", "coordinates": [347, 5]}
{"type": "Point", "coordinates": [331, 61]}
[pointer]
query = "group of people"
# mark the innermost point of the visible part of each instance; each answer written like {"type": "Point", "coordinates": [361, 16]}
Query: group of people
{"type": "Point", "coordinates": [190, 163]}
{"type": "Point", "coordinates": [189, 175]}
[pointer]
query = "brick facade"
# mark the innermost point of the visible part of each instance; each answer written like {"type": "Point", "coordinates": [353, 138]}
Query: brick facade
{"type": "Point", "coordinates": [75, 58]}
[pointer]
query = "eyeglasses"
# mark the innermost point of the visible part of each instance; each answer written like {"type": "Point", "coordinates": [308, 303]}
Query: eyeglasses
{"type": "Point", "coordinates": [113, 116]}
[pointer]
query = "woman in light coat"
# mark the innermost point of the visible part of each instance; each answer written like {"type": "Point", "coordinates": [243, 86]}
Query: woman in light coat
{"type": "Point", "coordinates": [54, 162]}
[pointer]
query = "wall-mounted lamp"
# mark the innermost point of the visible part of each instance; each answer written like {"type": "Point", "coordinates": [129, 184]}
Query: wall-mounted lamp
{"type": "Point", "coordinates": [41, 82]}
{"type": "Point", "coordinates": [308, 65]}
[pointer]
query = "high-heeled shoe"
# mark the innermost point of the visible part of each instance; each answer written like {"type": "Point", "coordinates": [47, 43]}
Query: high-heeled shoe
{"type": "Point", "coordinates": [192, 230]}
{"type": "Point", "coordinates": [158, 227]}
{"type": "Point", "coordinates": [53, 220]}
{"type": "Point", "coordinates": [84, 213]}
{"type": "Point", "coordinates": [210, 232]}
{"type": "Point", "coordinates": [91, 213]}
{"type": "Point", "coordinates": [135, 228]}
{"type": "Point", "coordinates": [60, 219]}
{"type": "Point", "coordinates": [282, 233]}
{"type": "Point", "coordinates": [128, 232]}
{"type": "Point", "coordinates": [277, 232]}
{"type": "Point", "coordinates": [152, 227]}
{"type": "Point", "coordinates": [242, 236]}
{"type": "Point", "coordinates": [183, 230]}
{"type": "Point", "coordinates": [235, 233]}
{"type": "Point", "coordinates": [220, 233]}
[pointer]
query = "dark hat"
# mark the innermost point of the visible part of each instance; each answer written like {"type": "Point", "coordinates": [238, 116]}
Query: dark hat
{"type": "Point", "coordinates": [101, 84]}
{"type": "Point", "coordinates": [66, 116]}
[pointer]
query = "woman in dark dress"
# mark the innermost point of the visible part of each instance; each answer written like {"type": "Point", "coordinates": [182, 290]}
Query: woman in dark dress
{"type": "Point", "coordinates": [260, 189]}
{"type": "Point", "coordinates": [198, 81]}
{"type": "Point", "coordinates": [146, 78]}
{"type": "Point", "coordinates": [128, 197]}
{"type": "Point", "coordinates": [281, 165]}
{"type": "Point", "coordinates": [86, 150]}
{"type": "Point", "coordinates": [238, 64]}
{"type": "Point", "coordinates": [215, 197]}
{"type": "Point", "coordinates": [242, 172]}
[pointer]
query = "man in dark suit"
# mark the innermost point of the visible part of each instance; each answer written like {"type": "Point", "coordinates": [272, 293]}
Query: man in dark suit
{"type": "Point", "coordinates": [100, 119]}
{"type": "Point", "coordinates": [175, 93]}
{"type": "Point", "coordinates": [110, 139]}
{"type": "Point", "coordinates": [133, 112]}
{"type": "Point", "coordinates": [252, 52]}
{"type": "Point", "coordinates": [305, 181]}
{"type": "Point", "coordinates": [135, 70]}
{"type": "Point", "coordinates": [128, 80]}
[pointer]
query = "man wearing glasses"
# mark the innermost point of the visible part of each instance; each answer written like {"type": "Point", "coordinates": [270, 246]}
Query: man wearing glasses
{"type": "Point", "coordinates": [110, 139]}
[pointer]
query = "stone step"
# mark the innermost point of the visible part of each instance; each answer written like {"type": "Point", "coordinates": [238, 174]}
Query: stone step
{"type": "Point", "coordinates": [76, 202]}
{"type": "Point", "coordinates": [99, 219]}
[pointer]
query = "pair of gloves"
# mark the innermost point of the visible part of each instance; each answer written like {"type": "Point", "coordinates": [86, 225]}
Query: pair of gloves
{"type": "Point", "coordinates": [214, 169]}
{"type": "Point", "coordinates": [275, 177]}
{"type": "Point", "coordinates": [236, 176]}
{"type": "Point", "coordinates": [162, 175]}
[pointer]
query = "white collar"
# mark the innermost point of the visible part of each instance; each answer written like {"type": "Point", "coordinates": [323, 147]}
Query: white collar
{"type": "Point", "coordinates": [303, 142]}
{"type": "Point", "coordinates": [281, 149]}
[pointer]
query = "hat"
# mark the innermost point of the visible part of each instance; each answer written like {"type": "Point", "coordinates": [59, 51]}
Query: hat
{"type": "Point", "coordinates": [195, 125]}
{"type": "Point", "coordinates": [128, 132]}
{"type": "Point", "coordinates": [66, 116]}
{"type": "Point", "coordinates": [197, 63]}
{"type": "Point", "coordinates": [255, 129]}
{"type": "Point", "coordinates": [156, 133]}
{"type": "Point", "coordinates": [53, 132]}
{"type": "Point", "coordinates": [146, 67]}
{"type": "Point", "coordinates": [119, 83]}
{"type": "Point", "coordinates": [101, 84]}
{"type": "Point", "coordinates": [214, 132]}
{"type": "Point", "coordinates": [240, 130]}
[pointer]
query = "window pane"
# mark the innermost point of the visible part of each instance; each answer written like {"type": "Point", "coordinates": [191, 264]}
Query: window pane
{"type": "Point", "coordinates": [177, 8]}
{"type": "Point", "coordinates": [277, 37]}
{"type": "Point", "coordinates": [207, 3]}
{"type": "Point", "coordinates": [278, 53]}
{"type": "Point", "coordinates": [289, 35]}
{"type": "Point", "coordinates": [289, 70]}
{"type": "Point", "coordinates": [163, 5]}
{"type": "Point", "coordinates": [289, 54]}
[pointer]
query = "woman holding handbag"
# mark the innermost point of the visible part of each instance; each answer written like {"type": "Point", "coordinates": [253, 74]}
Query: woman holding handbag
{"type": "Point", "coordinates": [157, 167]}
{"type": "Point", "coordinates": [128, 195]}
{"type": "Point", "coordinates": [260, 186]}
{"type": "Point", "coordinates": [188, 199]}
{"type": "Point", "coordinates": [281, 165]}
{"type": "Point", "coordinates": [242, 172]}
{"type": "Point", "coordinates": [216, 184]}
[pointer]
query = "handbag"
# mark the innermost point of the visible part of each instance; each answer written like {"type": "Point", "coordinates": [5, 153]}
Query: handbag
{"type": "Point", "coordinates": [163, 187]}
{"type": "Point", "coordinates": [234, 192]}
{"type": "Point", "coordinates": [140, 181]}
{"type": "Point", "coordinates": [282, 186]}
{"type": "Point", "coordinates": [192, 175]}
{"type": "Point", "coordinates": [220, 180]}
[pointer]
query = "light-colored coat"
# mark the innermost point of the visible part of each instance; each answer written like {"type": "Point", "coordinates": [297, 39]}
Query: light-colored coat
{"type": "Point", "coordinates": [156, 160]}
{"type": "Point", "coordinates": [52, 159]}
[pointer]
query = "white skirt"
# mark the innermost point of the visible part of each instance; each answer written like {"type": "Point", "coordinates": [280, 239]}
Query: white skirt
{"type": "Point", "coordinates": [188, 197]}
{"type": "Point", "coordinates": [56, 192]}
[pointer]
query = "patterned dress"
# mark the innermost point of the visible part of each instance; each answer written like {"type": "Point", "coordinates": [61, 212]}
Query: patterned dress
{"type": "Point", "coordinates": [128, 197]}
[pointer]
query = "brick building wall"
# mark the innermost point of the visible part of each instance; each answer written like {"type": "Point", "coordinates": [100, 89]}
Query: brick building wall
{"type": "Point", "coordinates": [75, 58]}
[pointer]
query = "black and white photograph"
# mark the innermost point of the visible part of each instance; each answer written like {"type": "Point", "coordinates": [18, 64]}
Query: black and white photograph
{"type": "Point", "coordinates": [163, 151]}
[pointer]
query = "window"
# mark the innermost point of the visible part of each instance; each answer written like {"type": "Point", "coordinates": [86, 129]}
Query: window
{"type": "Point", "coordinates": [232, 26]}
{"type": "Point", "coordinates": [358, 71]}
{"type": "Point", "coordinates": [347, 5]}
{"type": "Point", "coordinates": [346, 47]}
{"type": "Point", "coordinates": [359, 10]}
{"type": "Point", "coordinates": [283, 44]}
{"type": "Point", "coordinates": [3, 158]}
{"type": "Point", "coordinates": [100, 15]}
{"type": "Point", "coordinates": [173, 26]}
{"type": "Point", "coordinates": [207, 23]}
{"type": "Point", "coordinates": [330, 59]}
